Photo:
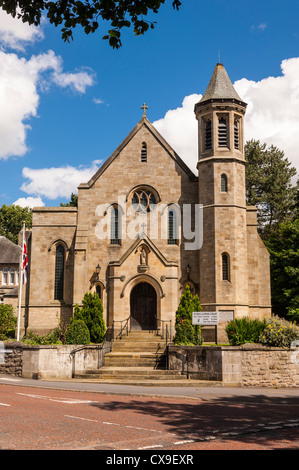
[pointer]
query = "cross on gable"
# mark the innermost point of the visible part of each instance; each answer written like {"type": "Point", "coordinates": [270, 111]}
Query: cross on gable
{"type": "Point", "coordinates": [144, 107]}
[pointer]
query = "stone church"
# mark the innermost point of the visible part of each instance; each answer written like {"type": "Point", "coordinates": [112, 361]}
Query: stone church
{"type": "Point", "coordinates": [146, 226]}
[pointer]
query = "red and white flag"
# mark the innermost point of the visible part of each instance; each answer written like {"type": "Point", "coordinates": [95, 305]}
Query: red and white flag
{"type": "Point", "coordinates": [25, 266]}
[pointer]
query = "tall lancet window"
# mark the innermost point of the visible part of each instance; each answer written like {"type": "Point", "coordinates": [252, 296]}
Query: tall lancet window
{"type": "Point", "coordinates": [237, 134]}
{"type": "Point", "coordinates": [115, 227]}
{"type": "Point", "coordinates": [59, 272]}
{"type": "Point", "coordinates": [144, 153]}
{"type": "Point", "coordinates": [225, 267]}
{"type": "Point", "coordinates": [222, 132]}
{"type": "Point", "coordinates": [208, 134]}
{"type": "Point", "coordinates": [223, 183]}
{"type": "Point", "coordinates": [172, 228]}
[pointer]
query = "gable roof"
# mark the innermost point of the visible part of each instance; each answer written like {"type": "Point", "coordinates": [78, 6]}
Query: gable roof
{"type": "Point", "coordinates": [9, 251]}
{"type": "Point", "coordinates": [143, 239]}
{"type": "Point", "coordinates": [143, 122]}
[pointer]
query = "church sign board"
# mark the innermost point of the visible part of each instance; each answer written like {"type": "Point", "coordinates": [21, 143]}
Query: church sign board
{"type": "Point", "coordinates": [206, 319]}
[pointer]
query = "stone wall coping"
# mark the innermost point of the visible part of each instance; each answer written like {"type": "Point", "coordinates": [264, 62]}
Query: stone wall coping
{"type": "Point", "coordinates": [243, 347]}
{"type": "Point", "coordinates": [21, 345]}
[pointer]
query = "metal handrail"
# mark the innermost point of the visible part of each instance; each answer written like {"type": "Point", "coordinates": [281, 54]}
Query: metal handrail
{"type": "Point", "coordinates": [121, 326]}
{"type": "Point", "coordinates": [167, 333]}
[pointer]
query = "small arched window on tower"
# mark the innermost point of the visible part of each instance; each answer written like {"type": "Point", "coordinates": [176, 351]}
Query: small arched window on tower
{"type": "Point", "coordinates": [144, 153]}
{"type": "Point", "coordinates": [208, 134]}
{"type": "Point", "coordinates": [223, 183]}
{"type": "Point", "coordinates": [59, 272]}
{"type": "Point", "coordinates": [222, 132]}
{"type": "Point", "coordinates": [115, 227]}
{"type": "Point", "coordinates": [225, 267]}
{"type": "Point", "coordinates": [172, 228]}
{"type": "Point", "coordinates": [237, 133]}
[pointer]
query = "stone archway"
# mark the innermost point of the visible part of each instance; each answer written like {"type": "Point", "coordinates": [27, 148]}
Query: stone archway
{"type": "Point", "coordinates": [143, 307]}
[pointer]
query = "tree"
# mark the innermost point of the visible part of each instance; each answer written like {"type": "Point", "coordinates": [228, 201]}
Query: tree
{"type": "Point", "coordinates": [11, 221]}
{"type": "Point", "coordinates": [284, 258]}
{"type": "Point", "coordinates": [92, 315]}
{"type": "Point", "coordinates": [186, 333]}
{"type": "Point", "coordinates": [73, 202]}
{"type": "Point", "coordinates": [86, 13]}
{"type": "Point", "coordinates": [269, 185]}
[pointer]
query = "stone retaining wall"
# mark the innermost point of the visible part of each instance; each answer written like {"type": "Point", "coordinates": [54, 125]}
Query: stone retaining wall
{"type": "Point", "coordinates": [248, 365]}
{"type": "Point", "coordinates": [49, 362]}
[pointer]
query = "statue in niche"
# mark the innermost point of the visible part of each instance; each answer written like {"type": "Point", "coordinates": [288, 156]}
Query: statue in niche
{"type": "Point", "coordinates": [143, 257]}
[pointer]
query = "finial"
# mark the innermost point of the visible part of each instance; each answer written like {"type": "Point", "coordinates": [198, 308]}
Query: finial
{"type": "Point", "coordinates": [219, 61]}
{"type": "Point", "coordinates": [144, 107]}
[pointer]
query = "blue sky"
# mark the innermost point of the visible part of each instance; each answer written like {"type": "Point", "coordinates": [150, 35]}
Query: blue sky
{"type": "Point", "coordinates": [66, 107]}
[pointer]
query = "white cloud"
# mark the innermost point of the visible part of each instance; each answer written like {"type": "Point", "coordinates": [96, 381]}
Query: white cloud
{"type": "Point", "coordinates": [29, 202]}
{"type": "Point", "coordinates": [53, 183]}
{"type": "Point", "coordinates": [21, 82]}
{"type": "Point", "coordinates": [271, 117]}
{"type": "Point", "coordinates": [97, 101]}
{"type": "Point", "coordinates": [15, 34]}
{"type": "Point", "coordinates": [179, 128]}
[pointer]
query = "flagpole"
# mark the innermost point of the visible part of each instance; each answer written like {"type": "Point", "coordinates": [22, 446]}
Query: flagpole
{"type": "Point", "coordinates": [20, 285]}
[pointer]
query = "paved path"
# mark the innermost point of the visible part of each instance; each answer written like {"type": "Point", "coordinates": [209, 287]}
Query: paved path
{"type": "Point", "coordinates": [75, 415]}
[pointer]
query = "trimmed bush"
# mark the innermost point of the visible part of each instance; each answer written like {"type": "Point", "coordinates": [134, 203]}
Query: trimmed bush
{"type": "Point", "coordinates": [279, 332]}
{"type": "Point", "coordinates": [91, 314]}
{"type": "Point", "coordinates": [244, 330]}
{"type": "Point", "coordinates": [8, 321]}
{"type": "Point", "coordinates": [77, 333]}
{"type": "Point", "coordinates": [186, 333]}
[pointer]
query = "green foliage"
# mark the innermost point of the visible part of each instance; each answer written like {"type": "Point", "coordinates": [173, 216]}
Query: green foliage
{"type": "Point", "coordinates": [284, 259]}
{"type": "Point", "coordinates": [57, 336]}
{"type": "Point", "coordinates": [279, 333]}
{"type": "Point", "coordinates": [11, 221]}
{"type": "Point", "coordinates": [244, 330]}
{"type": "Point", "coordinates": [186, 333]}
{"type": "Point", "coordinates": [7, 321]}
{"type": "Point", "coordinates": [70, 13]}
{"type": "Point", "coordinates": [269, 185]}
{"type": "Point", "coordinates": [73, 202]}
{"type": "Point", "coordinates": [77, 333]}
{"type": "Point", "coordinates": [92, 315]}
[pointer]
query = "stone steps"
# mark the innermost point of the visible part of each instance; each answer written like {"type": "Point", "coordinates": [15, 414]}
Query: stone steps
{"type": "Point", "coordinates": [136, 359]}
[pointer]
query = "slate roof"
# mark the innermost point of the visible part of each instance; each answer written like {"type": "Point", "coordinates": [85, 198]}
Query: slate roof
{"type": "Point", "coordinates": [220, 87]}
{"type": "Point", "coordinates": [9, 251]}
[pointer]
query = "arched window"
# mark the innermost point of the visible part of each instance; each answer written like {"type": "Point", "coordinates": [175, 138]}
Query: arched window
{"type": "Point", "coordinates": [143, 201]}
{"type": "Point", "coordinates": [172, 228]}
{"type": "Point", "coordinates": [59, 273]}
{"type": "Point", "coordinates": [225, 267]}
{"type": "Point", "coordinates": [115, 227]}
{"type": "Point", "coordinates": [144, 153]}
{"type": "Point", "coordinates": [208, 135]}
{"type": "Point", "coordinates": [99, 291]}
{"type": "Point", "coordinates": [222, 132]}
{"type": "Point", "coordinates": [223, 183]}
{"type": "Point", "coordinates": [236, 133]}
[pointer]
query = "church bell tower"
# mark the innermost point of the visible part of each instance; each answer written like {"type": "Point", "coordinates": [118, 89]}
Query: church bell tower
{"type": "Point", "coordinates": [221, 179]}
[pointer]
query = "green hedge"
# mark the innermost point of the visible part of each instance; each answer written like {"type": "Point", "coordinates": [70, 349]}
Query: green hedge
{"type": "Point", "coordinates": [244, 330]}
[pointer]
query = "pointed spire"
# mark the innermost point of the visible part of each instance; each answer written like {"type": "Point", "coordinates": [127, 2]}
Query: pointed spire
{"type": "Point", "coordinates": [220, 87]}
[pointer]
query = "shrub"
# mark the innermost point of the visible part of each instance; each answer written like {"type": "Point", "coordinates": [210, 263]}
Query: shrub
{"type": "Point", "coordinates": [279, 333]}
{"type": "Point", "coordinates": [7, 321]}
{"type": "Point", "coordinates": [91, 314]}
{"type": "Point", "coordinates": [244, 330]}
{"type": "Point", "coordinates": [77, 333]}
{"type": "Point", "coordinates": [186, 333]}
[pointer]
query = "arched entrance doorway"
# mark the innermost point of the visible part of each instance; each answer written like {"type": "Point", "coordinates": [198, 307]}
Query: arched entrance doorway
{"type": "Point", "coordinates": [143, 303]}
